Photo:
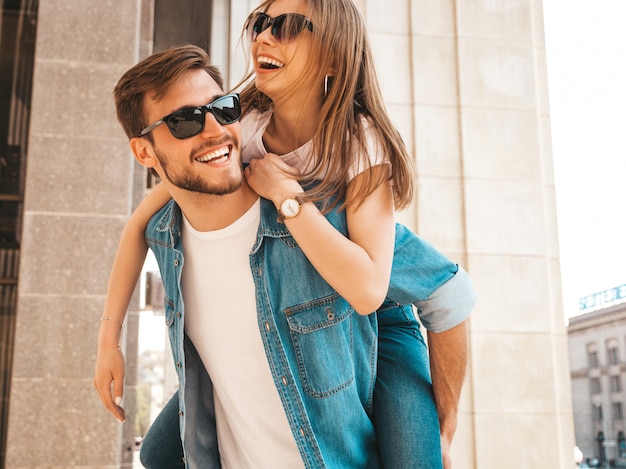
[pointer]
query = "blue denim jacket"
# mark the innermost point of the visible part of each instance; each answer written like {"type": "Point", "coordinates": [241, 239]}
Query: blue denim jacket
{"type": "Point", "coordinates": [321, 352]}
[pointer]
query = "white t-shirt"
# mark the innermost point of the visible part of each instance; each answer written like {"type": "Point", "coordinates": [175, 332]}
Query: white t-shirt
{"type": "Point", "coordinates": [253, 126]}
{"type": "Point", "coordinates": [221, 321]}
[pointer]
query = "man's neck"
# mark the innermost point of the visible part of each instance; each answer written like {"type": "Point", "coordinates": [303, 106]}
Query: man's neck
{"type": "Point", "coordinates": [214, 212]}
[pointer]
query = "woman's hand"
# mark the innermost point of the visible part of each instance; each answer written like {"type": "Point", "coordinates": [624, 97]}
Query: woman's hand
{"type": "Point", "coordinates": [272, 178]}
{"type": "Point", "coordinates": [109, 374]}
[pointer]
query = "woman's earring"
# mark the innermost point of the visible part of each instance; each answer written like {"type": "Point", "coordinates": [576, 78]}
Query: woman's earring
{"type": "Point", "coordinates": [325, 85]}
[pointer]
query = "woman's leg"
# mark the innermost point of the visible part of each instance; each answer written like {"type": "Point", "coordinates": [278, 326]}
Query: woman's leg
{"type": "Point", "coordinates": [405, 414]}
{"type": "Point", "coordinates": [161, 447]}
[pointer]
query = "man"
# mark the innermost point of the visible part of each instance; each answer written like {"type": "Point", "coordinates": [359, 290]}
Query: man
{"type": "Point", "coordinates": [271, 361]}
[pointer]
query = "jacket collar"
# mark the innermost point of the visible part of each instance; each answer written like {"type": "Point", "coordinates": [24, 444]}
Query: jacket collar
{"type": "Point", "coordinates": [168, 219]}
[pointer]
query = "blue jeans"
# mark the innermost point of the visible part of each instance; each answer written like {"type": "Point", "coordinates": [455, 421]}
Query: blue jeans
{"type": "Point", "coordinates": [161, 447]}
{"type": "Point", "coordinates": [405, 415]}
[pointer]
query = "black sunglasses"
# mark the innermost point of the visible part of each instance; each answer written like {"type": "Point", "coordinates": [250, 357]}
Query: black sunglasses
{"type": "Point", "coordinates": [285, 28]}
{"type": "Point", "coordinates": [189, 121]}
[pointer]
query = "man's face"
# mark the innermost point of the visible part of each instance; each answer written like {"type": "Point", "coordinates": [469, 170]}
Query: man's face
{"type": "Point", "coordinates": [207, 163]}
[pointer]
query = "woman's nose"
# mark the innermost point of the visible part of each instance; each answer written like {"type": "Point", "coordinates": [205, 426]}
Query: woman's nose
{"type": "Point", "coordinates": [265, 36]}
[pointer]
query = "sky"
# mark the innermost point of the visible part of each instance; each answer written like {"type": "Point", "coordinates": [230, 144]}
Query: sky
{"type": "Point", "coordinates": [586, 60]}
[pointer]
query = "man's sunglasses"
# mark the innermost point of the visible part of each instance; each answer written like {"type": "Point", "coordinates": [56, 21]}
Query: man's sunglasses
{"type": "Point", "coordinates": [189, 121]}
{"type": "Point", "coordinates": [285, 28]}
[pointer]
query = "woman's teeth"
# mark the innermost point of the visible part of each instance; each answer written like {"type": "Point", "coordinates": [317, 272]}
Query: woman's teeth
{"type": "Point", "coordinates": [266, 62]}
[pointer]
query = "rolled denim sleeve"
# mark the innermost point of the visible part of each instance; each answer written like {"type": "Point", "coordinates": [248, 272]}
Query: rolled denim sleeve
{"type": "Point", "coordinates": [449, 305]}
{"type": "Point", "coordinates": [421, 275]}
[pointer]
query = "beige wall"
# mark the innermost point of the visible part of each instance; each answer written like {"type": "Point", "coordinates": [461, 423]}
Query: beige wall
{"type": "Point", "coordinates": [465, 81]}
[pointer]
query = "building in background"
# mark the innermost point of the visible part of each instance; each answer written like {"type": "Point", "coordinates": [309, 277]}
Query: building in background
{"type": "Point", "coordinates": [597, 348]}
{"type": "Point", "coordinates": [465, 82]}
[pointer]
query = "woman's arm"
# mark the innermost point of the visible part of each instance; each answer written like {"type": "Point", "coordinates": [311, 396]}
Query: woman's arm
{"type": "Point", "coordinates": [358, 268]}
{"type": "Point", "coordinates": [129, 259]}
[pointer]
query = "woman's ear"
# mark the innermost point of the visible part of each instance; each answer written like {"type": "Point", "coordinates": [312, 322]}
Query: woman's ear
{"type": "Point", "coordinates": [143, 151]}
{"type": "Point", "coordinates": [332, 70]}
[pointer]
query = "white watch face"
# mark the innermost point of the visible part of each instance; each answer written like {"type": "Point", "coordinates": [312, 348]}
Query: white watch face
{"type": "Point", "coordinates": [290, 208]}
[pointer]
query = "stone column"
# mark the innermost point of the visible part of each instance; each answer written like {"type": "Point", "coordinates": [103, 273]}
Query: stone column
{"type": "Point", "coordinates": [79, 193]}
{"type": "Point", "coordinates": [465, 81]}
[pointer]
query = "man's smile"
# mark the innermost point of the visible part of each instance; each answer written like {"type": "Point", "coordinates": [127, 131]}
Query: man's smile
{"type": "Point", "coordinates": [220, 155]}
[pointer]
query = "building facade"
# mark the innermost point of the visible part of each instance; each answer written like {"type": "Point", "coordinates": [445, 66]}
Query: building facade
{"type": "Point", "coordinates": [465, 82]}
{"type": "Point", "coordinates": [597, 348]}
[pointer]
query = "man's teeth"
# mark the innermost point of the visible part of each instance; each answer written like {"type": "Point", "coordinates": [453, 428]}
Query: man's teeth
{"type": "Point", "coordinates": [271, 62]}
{"type": "Point", "coordinates": [217, 156]}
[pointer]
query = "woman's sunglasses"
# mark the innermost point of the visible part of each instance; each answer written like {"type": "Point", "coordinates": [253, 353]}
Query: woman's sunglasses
{"type": "Point", "coordinates": [285, 28]}
{"type": "Point", "coordinates": [189, 121]}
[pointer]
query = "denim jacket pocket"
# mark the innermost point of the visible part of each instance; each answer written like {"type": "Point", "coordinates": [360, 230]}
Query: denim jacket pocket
{"type": "Point", "coordinates": [322, 337]}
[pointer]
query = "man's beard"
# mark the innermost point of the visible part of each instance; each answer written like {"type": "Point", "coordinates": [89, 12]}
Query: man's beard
{"type": "Point", "coordinates": [195, 183]}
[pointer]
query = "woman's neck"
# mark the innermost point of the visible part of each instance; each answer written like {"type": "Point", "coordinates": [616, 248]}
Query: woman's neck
{"type": "Point", "coordinates": [291, 126]}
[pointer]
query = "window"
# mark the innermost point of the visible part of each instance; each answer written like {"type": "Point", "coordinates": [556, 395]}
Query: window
{"type": "Point", "coordinates": [596, 387]}
{"type": "Point", "coordinates": [616, 383]}
{"type": "Point", "coordinates": [601, 448]}
{"type": "Point", "coordinates": [618, 411]}
{"type": "Point", "coordinates": [177, 22]}
{"type": "Point", "coordinates": [593, 359]}
{"type": "Point", "coordinates": [597, 412]}
{"type": "Point", "coordinates": [613, 353]}
{"type": "Point", "coordinates": [18, 24]}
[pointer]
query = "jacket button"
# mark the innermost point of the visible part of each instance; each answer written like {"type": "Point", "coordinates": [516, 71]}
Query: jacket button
{"type": "Point", "coordinates": [284, 381]}
{"type": "Point", "coordinates": [267, 326]}
{"type": "Point", "coordinates": [180, 413]}
{"type": "Point", "coordinates": [178, 314]}
{"type": "Point", "coordinates": [178, 364]}
{"type": "Point", "coordinates": [176, 262]}
{"type": "Point", "coordinates": [302, 432]}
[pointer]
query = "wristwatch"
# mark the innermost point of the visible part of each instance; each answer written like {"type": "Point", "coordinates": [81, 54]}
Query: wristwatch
{"type": "Point", "coordinates": [289, 208]}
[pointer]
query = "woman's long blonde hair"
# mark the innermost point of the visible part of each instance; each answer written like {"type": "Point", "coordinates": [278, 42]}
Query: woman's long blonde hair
{"type": "Point", "coordinates": [341, 43]}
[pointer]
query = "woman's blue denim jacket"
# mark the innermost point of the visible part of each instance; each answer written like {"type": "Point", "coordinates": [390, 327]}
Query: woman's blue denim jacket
{"type": "Point", "coordinates": [322, 353]}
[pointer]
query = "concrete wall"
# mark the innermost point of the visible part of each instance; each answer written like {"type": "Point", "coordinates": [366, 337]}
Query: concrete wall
{"type": "Point", "coordinates": [79, 190]}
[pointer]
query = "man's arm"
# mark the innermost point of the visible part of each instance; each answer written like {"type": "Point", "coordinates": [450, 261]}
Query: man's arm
{"type": "Point", "coordinates": [448, 363]}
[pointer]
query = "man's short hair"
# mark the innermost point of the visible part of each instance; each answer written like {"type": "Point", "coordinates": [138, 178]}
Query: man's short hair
{"type": "Point", "coordinates": [155, 74]}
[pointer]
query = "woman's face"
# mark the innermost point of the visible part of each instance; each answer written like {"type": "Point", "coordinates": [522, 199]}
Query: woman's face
{"type": "Point", "coordinates": [281, 67]}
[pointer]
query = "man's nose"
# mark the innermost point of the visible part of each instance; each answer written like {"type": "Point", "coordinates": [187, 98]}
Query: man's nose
{"type": "Point", "coordinates": [212, 128]}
